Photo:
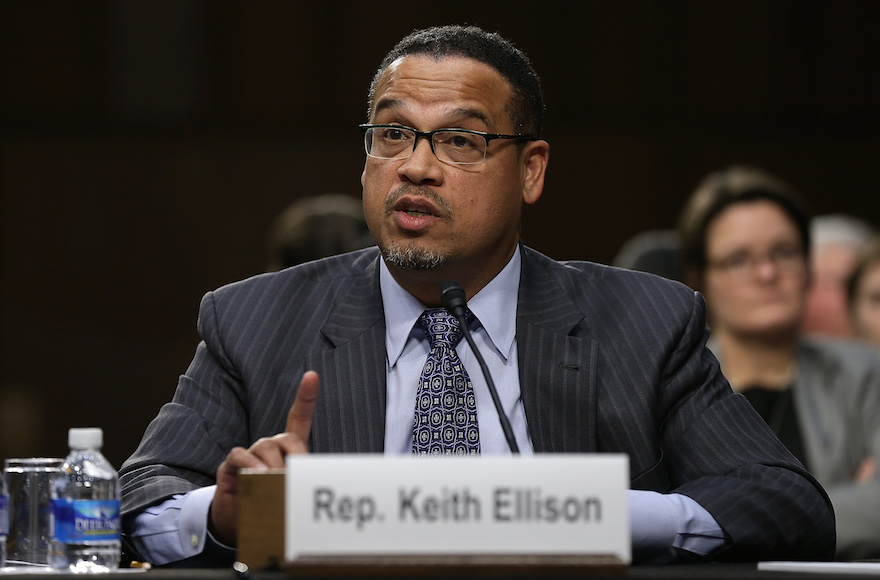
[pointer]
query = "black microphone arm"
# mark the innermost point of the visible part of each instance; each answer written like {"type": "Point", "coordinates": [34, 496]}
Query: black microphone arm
{"type": "Point", "coordinates": [453, 299]}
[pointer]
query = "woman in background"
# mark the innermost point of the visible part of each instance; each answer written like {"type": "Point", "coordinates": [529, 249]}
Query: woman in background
{"type": "Point", "coordinates": [745, 242]}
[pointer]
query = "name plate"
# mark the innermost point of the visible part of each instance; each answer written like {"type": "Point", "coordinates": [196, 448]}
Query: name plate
{"type": "Point", "coordinates": [374, 505]}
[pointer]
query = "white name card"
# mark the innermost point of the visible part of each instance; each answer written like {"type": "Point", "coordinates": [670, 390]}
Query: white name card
{"type": "Point", "coordinates": [380, 506]}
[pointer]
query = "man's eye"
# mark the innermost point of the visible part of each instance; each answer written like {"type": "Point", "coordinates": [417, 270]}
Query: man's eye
{"type": "Point", "coordinates": [462, 141]}
{"type": "Point", "coordinates": [459, 140]}
{"type": "Point", "coordinates": [394, 135]}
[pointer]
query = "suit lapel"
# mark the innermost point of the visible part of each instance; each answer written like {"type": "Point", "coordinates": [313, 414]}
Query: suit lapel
{"type": "Point", "coordinates": [557, 368]}
{"type": "Point", "coordinates": [350, 415]}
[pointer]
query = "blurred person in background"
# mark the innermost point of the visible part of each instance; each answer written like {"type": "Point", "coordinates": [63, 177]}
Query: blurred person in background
{"type": "Point", "coordinates": [317, 227]}
{"type": "Point", "coordinates": [836, 242]}
{"type": "Point", "coordinates": [653, 251]}
{"type": "Point", "coordinates": [863, 294]}
{"type": "Point", "coordinates": [745, 245]}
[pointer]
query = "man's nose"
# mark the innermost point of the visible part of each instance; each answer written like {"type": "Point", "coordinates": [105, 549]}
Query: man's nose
{"type": "Point", "coordinates": [422, 166]}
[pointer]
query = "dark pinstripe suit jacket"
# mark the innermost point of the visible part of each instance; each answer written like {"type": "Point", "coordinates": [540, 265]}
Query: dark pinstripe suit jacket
{"type": "Point", "coordinates": [610, 361]}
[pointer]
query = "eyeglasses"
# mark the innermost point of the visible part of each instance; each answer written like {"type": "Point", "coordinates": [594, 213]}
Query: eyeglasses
{"type": "Point", "coordinates": [456, 146]}
{"type": "Point", "coordinates": [742, 263]}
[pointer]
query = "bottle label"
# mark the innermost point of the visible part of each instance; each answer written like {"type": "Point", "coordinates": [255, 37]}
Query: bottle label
{"type": "Point", "coordinates": [4, 514]}
{"type": "Point", "coordinates": [85, 520]}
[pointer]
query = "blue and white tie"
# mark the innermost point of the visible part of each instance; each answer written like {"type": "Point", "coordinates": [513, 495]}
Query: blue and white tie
{"type": "Point", "coordinates": [446, 410]}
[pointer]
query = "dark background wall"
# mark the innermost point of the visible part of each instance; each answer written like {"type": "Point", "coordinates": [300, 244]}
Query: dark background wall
{"type": "Point", "coordinates": [145, 146]}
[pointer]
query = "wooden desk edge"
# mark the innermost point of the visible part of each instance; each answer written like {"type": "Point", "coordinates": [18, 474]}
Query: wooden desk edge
{"type": "Point", "coordinates": [456, 565]}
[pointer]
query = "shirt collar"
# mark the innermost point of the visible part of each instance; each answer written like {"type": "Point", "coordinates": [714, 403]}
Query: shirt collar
{"type": "Point", "coordinates": [490, 305]}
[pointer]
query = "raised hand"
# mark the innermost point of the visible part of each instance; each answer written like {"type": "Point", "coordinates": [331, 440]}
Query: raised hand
{"type": "Point", "coordinates": [265, 453]}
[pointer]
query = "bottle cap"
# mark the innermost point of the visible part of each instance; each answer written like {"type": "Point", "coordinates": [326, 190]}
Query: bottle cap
{"type": "Point", "coordinates": [85, 438]}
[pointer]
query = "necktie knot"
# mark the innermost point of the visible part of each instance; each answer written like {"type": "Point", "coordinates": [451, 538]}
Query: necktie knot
{"type": "Point", "coordinates": [441, 328]}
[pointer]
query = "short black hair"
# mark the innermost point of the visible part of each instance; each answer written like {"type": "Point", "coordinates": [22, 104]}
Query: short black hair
{"type": "Point", "coordinates": [526, 108]}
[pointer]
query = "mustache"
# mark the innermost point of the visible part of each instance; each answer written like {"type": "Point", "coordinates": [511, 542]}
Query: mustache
{"type": "Point", "coordinates": [418, 191]}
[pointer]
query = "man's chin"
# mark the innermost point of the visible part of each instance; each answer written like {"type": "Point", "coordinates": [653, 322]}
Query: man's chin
{"type": "Point", "coordinates": [412, 258]}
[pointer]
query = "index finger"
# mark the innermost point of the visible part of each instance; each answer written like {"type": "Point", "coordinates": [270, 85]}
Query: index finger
{"type": "Point", "coordinates": [299, 418]}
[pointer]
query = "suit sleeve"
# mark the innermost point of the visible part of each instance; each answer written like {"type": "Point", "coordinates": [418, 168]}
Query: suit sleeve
{"type": "Point", "coordinates": [189, 438]}
{"type": "Point", "coordinates": [720, 453]}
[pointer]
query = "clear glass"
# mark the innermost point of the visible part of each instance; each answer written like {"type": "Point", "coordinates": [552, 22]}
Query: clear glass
{"type": "Point", "coordinates": [451, 145]}
{"type": "Point", "coordinates": [28, 481]}
{"type": "Point", "coordinates": [742, 263]}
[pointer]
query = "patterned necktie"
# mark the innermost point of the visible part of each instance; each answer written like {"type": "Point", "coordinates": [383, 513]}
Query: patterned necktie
{"type": "Point", "coordinates": [446, 411]}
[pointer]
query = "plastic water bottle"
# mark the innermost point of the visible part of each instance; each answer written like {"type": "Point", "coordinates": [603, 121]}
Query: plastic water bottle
{"type": "Point", "coordinates": [85, 508]}
{"type": "Point", "coordinates": [4, 518]}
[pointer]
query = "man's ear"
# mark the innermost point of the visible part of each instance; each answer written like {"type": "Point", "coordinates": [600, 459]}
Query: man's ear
{"type": "Point", "coordinates": [535, 157]}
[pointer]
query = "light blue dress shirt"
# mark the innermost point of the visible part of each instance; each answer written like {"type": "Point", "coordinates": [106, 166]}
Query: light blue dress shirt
{"type": "Point", "coordinates": [662, 524]}
{"type": "Point", "coordinates": [494, 332]}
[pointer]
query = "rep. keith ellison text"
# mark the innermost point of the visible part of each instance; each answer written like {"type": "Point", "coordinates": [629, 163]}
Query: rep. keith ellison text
{"type": "Point", "coordinates": [453, 505]}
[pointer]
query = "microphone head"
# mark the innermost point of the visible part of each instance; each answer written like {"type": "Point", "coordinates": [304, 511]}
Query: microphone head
{"type": "Point", "coordinates": [453, 298]}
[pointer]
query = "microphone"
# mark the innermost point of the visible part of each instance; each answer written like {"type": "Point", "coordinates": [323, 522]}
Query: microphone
{"type": "Point", "coordinates": [454, 301]}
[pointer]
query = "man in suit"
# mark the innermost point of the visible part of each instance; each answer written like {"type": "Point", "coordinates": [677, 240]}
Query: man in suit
{"type": "Point", "coordinates": [326, 356]}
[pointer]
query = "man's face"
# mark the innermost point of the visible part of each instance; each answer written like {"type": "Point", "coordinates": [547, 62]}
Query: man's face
{"type": "Point", "coordinates": [432, 218]}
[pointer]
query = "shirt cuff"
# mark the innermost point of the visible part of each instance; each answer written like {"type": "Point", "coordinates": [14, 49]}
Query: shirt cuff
{"type": "Point", "coordinates": [176, 530]}
{"type": "Point", "coordinates": [664, 525]}
{"type": "Point", "coordinates": [194, 520]}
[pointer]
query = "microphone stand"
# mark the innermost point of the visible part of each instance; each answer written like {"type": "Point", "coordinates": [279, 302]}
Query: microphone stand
{"type": "Point", "coordinates": [453, 299]}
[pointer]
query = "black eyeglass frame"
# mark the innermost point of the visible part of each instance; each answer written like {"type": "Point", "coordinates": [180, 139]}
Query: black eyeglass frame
{"type": "Point", "coordinates": [429, 135]}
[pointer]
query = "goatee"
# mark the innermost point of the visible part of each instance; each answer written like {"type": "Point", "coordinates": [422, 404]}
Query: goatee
{"type": "Point", "coordinates": [412, 258]}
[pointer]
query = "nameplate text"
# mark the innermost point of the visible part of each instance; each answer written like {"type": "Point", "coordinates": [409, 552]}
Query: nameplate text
{"type": "Point", "coordinates": [379, 505]}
